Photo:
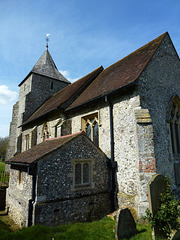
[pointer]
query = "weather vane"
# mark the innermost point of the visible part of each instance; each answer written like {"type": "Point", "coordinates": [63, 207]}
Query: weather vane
{"type": "Point", "coordinates": [47, 39]}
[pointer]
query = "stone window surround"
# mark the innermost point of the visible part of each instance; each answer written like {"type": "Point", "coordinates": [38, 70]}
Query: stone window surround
{"type": "Point", "coordinates": [174, 127]}
{"type": "Point", "coordinates": [20, 179]}
{"type": "Point", "coordinates": [82, 178]}
{"type": "Point", "coordinates": [174, 149]}
{"type": "Point", "coordinates": [177, 171]}
{"type": "Point", "coordinates": [27, 141]}
{"type": "Point", "coordinates": [85, 186]}
{"type": "Point", "coordinates": [57, 127]}
{"type": "Point", "coordinates": [85, 120]}
{"type": "Point", "coordinates": [45, 131]}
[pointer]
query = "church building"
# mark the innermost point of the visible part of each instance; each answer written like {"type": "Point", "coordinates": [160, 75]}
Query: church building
{"type": "Point", "coordinates": [78, 151]}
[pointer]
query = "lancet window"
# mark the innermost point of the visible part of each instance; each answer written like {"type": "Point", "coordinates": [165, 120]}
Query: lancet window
{"type": "Point", "coordinates": [175, 125]}
{"type": "Point", "coordinates": [45, 132]}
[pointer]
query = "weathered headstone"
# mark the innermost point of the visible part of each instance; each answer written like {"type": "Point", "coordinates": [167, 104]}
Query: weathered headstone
{"type": "Point", "coordinates": [156, 186]}
{"type": "Point", "coordinates": [125, 224]}
{"type": "Point", "coordinates": [2, 197]}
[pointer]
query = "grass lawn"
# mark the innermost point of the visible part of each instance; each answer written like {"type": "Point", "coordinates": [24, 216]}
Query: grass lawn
{"type": "Point", "coordinates": [2, 166]}
{"type": "Point", "coordinates": [97, 230]}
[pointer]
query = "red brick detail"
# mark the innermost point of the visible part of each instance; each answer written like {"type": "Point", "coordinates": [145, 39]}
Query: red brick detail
{"type": "Point", "coordinates": [147, 165]}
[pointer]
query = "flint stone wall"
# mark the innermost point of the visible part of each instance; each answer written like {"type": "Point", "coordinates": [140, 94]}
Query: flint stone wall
{"type": "Point", "coordinates": [158, 83]}
{"type": "Point", "coordinates": [57, 199]}
{"type": "Point", "coordinates": [12, 134]}
{"type": "Point", "coordinates": [82, 209]}
{"type": "Point", "coordinates": [141, 148]}
{"type": "Point", "coordinates": [40, 90]}
{"type": "Point", "coordinates": [32, 94]}
{"type": "Point", "coordinates": [126, 144]}
{"type": "Point", "coordinates": [147, 162]}
{"type": "Point", "coordinates": [18, 195]}
{"type": "Point", "coordinates": [54, 131]}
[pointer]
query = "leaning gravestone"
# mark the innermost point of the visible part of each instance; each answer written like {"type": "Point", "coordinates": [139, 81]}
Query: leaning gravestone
{"type": "Point", "coordinates": [156, 186]}
{"type": "Point", "coordinates": [125, 224]}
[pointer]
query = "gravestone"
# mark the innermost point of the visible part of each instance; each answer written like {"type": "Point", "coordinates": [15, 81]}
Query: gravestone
{"type": "Point", "coordinates": [125, 224]}
{"type": "Point", "coordinates": [156, 186]}
{"type": "Point", "coordinates": [2, 197]}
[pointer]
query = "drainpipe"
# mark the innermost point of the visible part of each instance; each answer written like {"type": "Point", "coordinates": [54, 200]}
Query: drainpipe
{"type": "Point", "coordinates": [32, 171]}
{"type": "Point", "coordinates": [113, 163]}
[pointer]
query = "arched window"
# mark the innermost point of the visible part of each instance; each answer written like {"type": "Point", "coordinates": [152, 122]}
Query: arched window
{"type": "Point", "coordinates": [26, 141]}
{"type": "Point", "coordinates": [175, 125]}
{"type": "Point", "coordinates": [45, 132]}
{"type": "Point", "coordinates": [91, 127]}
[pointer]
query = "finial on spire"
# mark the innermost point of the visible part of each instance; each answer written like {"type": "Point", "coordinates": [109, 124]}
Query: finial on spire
{"type": "Point", "coordinates": [47, 39]}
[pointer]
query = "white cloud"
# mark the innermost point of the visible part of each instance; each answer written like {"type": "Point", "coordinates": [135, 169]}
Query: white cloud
{"type": "Point", "coordinates": [6, 95]}
{"type": "Point", "coordinates": [66, 74]}
{"type": "Point", "coordinates": [5, 118]}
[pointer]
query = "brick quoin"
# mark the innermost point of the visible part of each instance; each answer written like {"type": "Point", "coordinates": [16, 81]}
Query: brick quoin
{"type": "Point", "coordinates": [147, 165]}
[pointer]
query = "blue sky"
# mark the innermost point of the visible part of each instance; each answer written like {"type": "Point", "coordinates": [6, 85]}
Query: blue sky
{"type": "Point", "coordinates": [83, 35]}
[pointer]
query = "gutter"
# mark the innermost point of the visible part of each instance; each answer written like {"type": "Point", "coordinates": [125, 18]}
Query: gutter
{"type": "Point", "coordinates": [32, 171]}
{"type": "Point", "coordinates": [42, 76]}
{"type": "Point", "coordinates": [42, 116]}
{"type": "Point", "coordinates": [19, 164]}
{"type": "Point", "coordinates": [113, 165]}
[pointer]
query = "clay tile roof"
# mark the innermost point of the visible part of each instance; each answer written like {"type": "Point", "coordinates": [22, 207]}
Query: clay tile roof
{"type": "Point", "coordinates": [121, 73]}
{"type": "Point", "coordinates": [42, 149]}
{"type": "Point", "coordinates": [66, 96]}
{"type": "Point", "coordinates": [45, 66]}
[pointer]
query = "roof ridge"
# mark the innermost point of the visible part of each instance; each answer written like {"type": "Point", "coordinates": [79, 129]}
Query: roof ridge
{"type": "Point", "coordinates": [35, 153]}
{"type": "Point", "coordinates": [65, 136]}
{"type": "Point", "coordinates": [75, 82]}
{"type": "Point", "coordinates": [121, 73]}
{"type": "Point", "coordinates": [162, 35]}
{"type": "Point", "coordinates": [79, 86]}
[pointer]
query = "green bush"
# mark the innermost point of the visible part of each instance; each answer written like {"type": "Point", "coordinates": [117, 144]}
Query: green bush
{"type": "Point", "coordinates": [166, 219]}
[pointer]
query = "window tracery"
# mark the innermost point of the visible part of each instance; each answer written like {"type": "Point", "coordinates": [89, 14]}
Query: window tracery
{"type": "Point", "coordinates": [45, 132]}
{"type": "Point", "coordinates": [90, 125]}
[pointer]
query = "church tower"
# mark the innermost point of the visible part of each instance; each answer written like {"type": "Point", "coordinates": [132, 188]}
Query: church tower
{"type": "Point", "coordinates": [41, 83]}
